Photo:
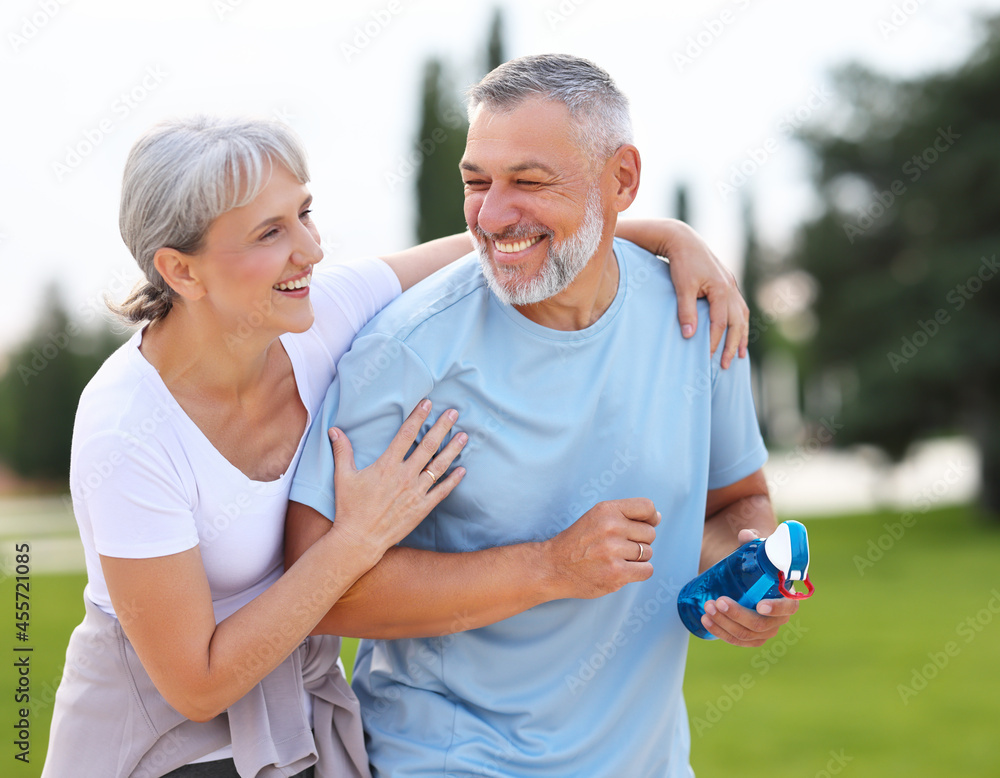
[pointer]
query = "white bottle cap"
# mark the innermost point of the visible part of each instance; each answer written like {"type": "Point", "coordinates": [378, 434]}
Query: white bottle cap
{"type": "Point", "coordinates": [788, 550]}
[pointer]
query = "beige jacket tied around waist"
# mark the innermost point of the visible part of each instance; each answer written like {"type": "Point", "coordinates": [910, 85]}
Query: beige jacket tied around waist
{"type": "Point", "coordinates": [110, 722]}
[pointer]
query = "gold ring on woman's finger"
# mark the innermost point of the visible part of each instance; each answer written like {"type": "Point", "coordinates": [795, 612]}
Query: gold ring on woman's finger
{"type": "Point", "coordinates": [427, 470]}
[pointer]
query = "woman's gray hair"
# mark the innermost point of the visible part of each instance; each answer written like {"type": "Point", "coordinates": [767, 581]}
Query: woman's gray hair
{"type": "Point", "coordinates": [182, 175]}
{"type": "Point", "coordinates": [599, 109]}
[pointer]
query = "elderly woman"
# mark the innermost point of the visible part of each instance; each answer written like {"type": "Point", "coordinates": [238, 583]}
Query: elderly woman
{"type": "Point", "coordinates": [193, 657]}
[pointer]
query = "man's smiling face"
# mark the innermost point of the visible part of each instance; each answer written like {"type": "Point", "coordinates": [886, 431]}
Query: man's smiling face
{"type": "Point", "coordinates": [532, 200]}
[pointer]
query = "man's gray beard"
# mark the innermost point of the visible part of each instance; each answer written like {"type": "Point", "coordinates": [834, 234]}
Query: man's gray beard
{"type": "Point", "coordinates": [563, 262]}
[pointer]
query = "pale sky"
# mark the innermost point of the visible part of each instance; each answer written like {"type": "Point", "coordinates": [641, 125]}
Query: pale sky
{"type": "Point", "coordinates": [715, 86]}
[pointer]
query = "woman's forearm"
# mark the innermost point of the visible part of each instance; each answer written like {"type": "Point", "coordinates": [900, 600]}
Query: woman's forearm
{"type": "Point", "coordinates": [415, 264]}
{"type": "Point", "coordinates": [415, 593]}
{"type": "Point", "coordinates": [658, 236]}
{"type": "Point", "coordinates": [164, 605]}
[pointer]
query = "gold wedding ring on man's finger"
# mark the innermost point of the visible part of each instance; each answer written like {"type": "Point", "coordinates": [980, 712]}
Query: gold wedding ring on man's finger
{"type": "Point", "coordinates": [642, 552]}
{"type": "Point", "coordinates": [431, 474]}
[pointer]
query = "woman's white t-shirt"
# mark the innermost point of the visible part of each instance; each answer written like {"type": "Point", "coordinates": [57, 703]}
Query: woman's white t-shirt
{"type": "Point", "coordinates": [146, 482]}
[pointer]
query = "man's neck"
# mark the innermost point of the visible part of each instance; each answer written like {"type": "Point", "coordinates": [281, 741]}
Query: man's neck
{"type": "Point", "coordinates": [585, 300]}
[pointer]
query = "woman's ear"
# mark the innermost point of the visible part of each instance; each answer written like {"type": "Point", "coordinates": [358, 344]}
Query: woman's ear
{"type": "Point", "coordinates": [179, 273]}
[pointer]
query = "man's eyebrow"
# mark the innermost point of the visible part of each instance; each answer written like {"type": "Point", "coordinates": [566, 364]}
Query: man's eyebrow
{"type": "Point", "coordinates": [531, 165]}
{"type": "Point", "coordinates": [518, 168]}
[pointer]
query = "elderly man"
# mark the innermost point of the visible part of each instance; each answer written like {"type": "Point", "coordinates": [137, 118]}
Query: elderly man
{"type": "Point", "coordinates": [514, 638]}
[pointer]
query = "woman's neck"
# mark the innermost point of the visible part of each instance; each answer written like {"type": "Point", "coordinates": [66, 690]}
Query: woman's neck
{"type": "Point", "coordinates": [190, 356]}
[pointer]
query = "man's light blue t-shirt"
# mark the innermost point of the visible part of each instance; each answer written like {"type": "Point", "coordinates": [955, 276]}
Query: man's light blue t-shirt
{"type": "Point", "coordinates": [557, 422]}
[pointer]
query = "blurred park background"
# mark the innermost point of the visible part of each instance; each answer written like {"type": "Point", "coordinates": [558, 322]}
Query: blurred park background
{"type": "Point", "coordinates": [843, 160]}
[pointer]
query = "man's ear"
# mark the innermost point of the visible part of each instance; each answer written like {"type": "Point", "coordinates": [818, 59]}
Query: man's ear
{"type": "Point", "coordinates": [178, 271]}
{"type": "Point", "coordinates": [624, 168]}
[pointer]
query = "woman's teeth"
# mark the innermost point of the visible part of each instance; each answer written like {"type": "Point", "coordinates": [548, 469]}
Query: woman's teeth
{"type": "Point", "coordinates": [299, 283]}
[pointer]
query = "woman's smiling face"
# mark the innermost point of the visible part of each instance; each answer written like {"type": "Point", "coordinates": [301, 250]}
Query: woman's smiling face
{"type": "Point", "coordinates": [256, 262]}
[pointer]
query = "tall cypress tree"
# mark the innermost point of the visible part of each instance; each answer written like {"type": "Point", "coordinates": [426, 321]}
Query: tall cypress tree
{"type": "Point", "coordinates": [441, 143]}
{"type": "Point", "coordinates": [495, 55]}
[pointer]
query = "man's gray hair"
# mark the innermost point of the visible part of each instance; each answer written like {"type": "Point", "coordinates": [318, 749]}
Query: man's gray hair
{"type": "Point", "coordinates": [182, 175]}
{"type": "Point", "coordinates": [599, 109]}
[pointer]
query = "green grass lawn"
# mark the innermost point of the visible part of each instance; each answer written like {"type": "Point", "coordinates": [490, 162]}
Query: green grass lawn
{"type": "Point", "coordinates": [888, 670]}
{"type": "Point", "coordinates": [56, 606]}
{"type": "Point", "coordinates": [885, 674]}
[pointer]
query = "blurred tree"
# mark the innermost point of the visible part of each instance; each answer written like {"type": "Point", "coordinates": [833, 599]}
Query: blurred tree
{"type": "Point", "coordinates": [905, 252]}
{"type": "Point", "coordinates": [41, 387]}
{"type": "Point", "coordinates": [441, 143]}
{"type": "Point", "coordinates": [754, 276]}
{"type": "Point", "coordinates": [495, 55]}
{"type": "Point", "coordinates": [775, 294]}
{"type": "Point", "coordinates": [681, 208]}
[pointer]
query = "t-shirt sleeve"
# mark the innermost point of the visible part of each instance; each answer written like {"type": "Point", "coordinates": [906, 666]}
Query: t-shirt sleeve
{"type": "Point", "coordinates": [347, 296]}
{"type": "Point", "coordinates": [737, 448]}
{"type": "Point", "coordinates": [344, 298]}
{"type": "Point", "coordinates": [136, 502]}
{"type": "Point", "coordinates": [378, 383]}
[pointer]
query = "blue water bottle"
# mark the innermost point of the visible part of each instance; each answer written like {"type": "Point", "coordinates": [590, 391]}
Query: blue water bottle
{"type": "Point", "coordinates": [758, 570]}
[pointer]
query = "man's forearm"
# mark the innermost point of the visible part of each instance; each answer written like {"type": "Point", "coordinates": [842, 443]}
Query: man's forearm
{"type": "Point", "coordinates": [415, 593]}
{"type": "Point", "coordinates": [721, 529]}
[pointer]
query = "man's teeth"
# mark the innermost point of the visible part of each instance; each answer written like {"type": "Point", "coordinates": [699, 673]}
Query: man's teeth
{"type": "Point", "coordinates": [521, 245]}
{"type": "Point", "coordinates": [299, 283]}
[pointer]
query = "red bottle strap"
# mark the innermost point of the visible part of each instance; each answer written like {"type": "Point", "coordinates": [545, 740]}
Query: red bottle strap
{"type": "Point", "coordinates": [791, 594]}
